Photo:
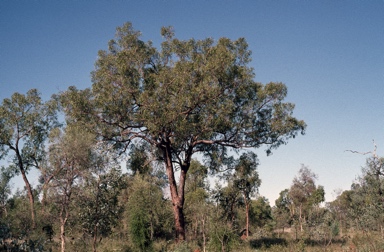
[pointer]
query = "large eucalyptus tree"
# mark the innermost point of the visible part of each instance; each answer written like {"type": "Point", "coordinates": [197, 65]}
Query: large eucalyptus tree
{"type": "Point", "coordinates": [191, 96]}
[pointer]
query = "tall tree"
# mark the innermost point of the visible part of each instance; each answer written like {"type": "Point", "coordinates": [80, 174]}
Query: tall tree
{"type": "Point", "coordinates": [192, 96]}
{"type": "Point", "coordinates": [25, 122]}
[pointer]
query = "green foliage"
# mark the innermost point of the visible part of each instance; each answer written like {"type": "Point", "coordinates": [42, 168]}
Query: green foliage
{"type": "Point", "coordinates": [222, 237]}
{"type": "Point", "coordinates": [260, 212]}
{"type": "Point", "coordinates": [99, 208]}
{"type": "Point", "coordinates": [25, 122]}
{"type": "Point", "coordinates": [147, 212]}
{"type": "Point", "coordinates": [140, 230]}
{"type": "Point", "coordinates": [246, 178]}
{"type": "Point", "coordinates": [228, 199]}
{"type": "Point", "coordinates": [139, 160]}
{"type": "Point", "coordinates": [281, 212]}
{"type": "Point", "coordinates": [26, 118]}
{"type": "Point", "coordinates": [197, 206]}
{"type": "Point", "coordinates": [18, 217]}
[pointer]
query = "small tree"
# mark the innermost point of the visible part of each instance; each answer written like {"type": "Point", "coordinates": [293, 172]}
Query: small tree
{"type": "Point", "coordinates": [247, 181]}
{"type": "Point", "coordinates": [304, 194]}
{"type": "Point", "coordinates": [260, 212]}
{"type": "Point", "coordinates": [99, 208]}
{"type": "Point", "coordinates": [281, 211]}
{"type": "Point", "coordinates": [144, 209]}
{"type": "Point", "coordinates": [340, 208]}
{"type": "Point", "coordinates": [197, 206]}
{"type": "Point", "coordinates": [368, 196]}
{"type": "Point", "coordinates": [71, 158]}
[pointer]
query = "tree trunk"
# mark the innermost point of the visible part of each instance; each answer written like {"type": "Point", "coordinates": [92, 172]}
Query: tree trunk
{"type": "Point", "coordinates": [62, 234]}
{"type": "Point", "coordinates": [177, 193]}
{"type": "Point", "coordinates": [30, 194]}
{"type": "Point", "coordinates": [179, 222]}
{"type": "Point", "coordinates": [64, 215]}
{"type": "Point", "coordinates": [27, 184]}
{"type": "Point", "coordinates": [246, 216]}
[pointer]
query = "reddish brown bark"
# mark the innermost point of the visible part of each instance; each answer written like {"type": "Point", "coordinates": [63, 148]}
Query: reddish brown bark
{"type": "Point", "coordinates": [177, 193]}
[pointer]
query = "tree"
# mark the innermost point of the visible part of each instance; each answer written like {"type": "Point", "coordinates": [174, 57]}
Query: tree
{"type": "Point", "coordinates": [145, 210]}
{"type": "Point", "coordinates": [247, 181]}
{"type": "Point", "coordinates": [197, 206]}
{"type": "Point", "coordinates": [340, 208]}
{"type": "Point", "coordinates": [25, 122]}
{"type": "Point", "coordinates": [228, 199]}
{"type": "Point", "coordinates": [282, 209]}
{"type": "Point", "coordinates": [222, 236]}
{"type": "Point", "coordinates": [260, 211]}
{"type": "Point", "coordinates": [71, 157]}
{"type": "Point", "coordinates": [192, 96]}
{"type": "Point", "coordinates": [304, 194]}
{"type": "Point", "coordinates": [99, 205]}
{"type": "Point", "coordinates": [367, 196]}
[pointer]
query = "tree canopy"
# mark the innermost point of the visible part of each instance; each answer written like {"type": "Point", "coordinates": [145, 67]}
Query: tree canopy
{"type": "Point", "coordinates": [191, 96]}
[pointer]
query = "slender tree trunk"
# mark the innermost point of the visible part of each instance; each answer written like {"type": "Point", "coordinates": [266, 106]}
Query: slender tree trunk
{"type": "Point", "coordinates": [246, 216]}
{"type": "Point", "coordinates": [30, 194]}
{"type": "Point", "coordinates": [95, 230]}
{"type": "Point", "coordinates": [64, 213]}
{"type": "Point", "coordinates": [62, 234]}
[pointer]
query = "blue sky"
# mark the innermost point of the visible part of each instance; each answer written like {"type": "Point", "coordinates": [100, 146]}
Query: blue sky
{"type": "Point", "coordinates": [330, 54]}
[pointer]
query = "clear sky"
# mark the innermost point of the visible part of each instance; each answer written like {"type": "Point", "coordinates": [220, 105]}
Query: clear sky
{"type": "Point", "coordinates": [329, 53]}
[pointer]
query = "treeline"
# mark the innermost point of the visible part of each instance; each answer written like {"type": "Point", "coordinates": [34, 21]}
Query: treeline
{"type": "Point", "coordinates": [154, 110]}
